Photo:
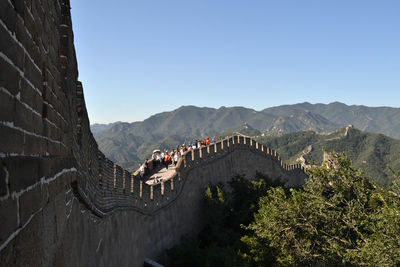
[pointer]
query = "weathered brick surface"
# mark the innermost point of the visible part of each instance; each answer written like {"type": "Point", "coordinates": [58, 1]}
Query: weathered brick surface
{"type": "Point", "coordinates": [23, 171]}
{"type": "Point", "coordinates": [8, 218]}
{"type": "Point", "coordinates": [29, 249]}
{"type": "Point", "coordinates": [31, 201]}
{"type": "Point", "coordinates": [31, 71]}
{"type": "Point", "coordinates": [34, 145]}
{"type": "Point", "coordinates": [30, 22]}
{"type": "Point", "coordinates": [19, 6]}
{"type": "Point", "coordinates": [7, 106]}
{"type": "Point", "coordinates": [11, 50]}
{"type": "Point", "coordinates": [9, 76]}
{"type": "Point", "coordinates": [3, 182]}
{"type": "Point", "coordinates": [93, 223]}
{"type": "Point", "coordinates": [31, 97]}
{"type": "Point", "coordinates": [54, 148]}
{"type": "Point", "coordinates": [50, 166]}
{"type": "Point", "coordinates": [27, 119]}
{"type": "Point", "coordinates": [11, 140]}
{"type": "Point", "coordinates": [7, 15]}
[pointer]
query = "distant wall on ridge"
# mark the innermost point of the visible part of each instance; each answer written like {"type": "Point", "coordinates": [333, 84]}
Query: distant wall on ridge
{"type": "Point", "coordinates": [62, 203]}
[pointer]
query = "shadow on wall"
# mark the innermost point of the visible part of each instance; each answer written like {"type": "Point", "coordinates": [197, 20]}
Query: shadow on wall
{"type": "Point", "coordinates": [108, 187]}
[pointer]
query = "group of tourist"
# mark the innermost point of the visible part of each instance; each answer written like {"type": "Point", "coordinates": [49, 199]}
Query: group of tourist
{"type": "Point", "coordinates": [166, 158]}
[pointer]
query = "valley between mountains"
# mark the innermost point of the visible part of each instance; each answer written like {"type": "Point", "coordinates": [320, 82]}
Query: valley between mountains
{"type": "Point", "coordinates": [300, 133]}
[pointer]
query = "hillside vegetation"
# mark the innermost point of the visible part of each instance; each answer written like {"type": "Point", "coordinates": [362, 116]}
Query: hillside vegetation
{"type": "Point", "coordinates": [385, 120]}
{"type": "Point", "coordinates": [130, 143]}
{"type": "Point", "coordinates": [369, 151]}
{"type": "Point", "coordinates": [340, 217]}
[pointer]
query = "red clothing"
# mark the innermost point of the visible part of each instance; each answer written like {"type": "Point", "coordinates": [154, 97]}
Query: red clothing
{"type": "Point", "coordinates": [167, 158]}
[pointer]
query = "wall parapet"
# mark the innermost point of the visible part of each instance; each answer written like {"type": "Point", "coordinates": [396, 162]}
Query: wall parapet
{"type": "Point", "coordinates": [108, 187]}
{"type": "Point", "coordinates": [50, 163]}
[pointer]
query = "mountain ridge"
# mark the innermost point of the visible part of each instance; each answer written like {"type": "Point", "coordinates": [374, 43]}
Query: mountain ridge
{"type": "Point", "coordinates": [129, 143]}
{"type": "Point", "coordinates": [370, 152]}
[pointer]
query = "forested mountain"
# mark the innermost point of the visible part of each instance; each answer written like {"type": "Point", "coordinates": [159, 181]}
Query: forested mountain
{"type": "Point", "coordinates": [243, 129]}
{"type": "Point", "coordinates": [370, 152]}
{"type": "Point", "coordinates": [191, 121]}
{"type": "Point", "coordinates": [130, 143]}
{"type": "Point", "coordinates": [99, 127]}
{"type": "Point", "coordinates": [339, 217]}
{"type": "Point", "coordinates": [385, 120]}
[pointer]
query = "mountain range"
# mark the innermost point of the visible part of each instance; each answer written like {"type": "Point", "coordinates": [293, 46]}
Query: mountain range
{"type": "Point", "coordinates": [385, 120]}
{"type": "Point", "coordinates": [376, 154]}
{"type": "Point", "coordinates": [130, 143]}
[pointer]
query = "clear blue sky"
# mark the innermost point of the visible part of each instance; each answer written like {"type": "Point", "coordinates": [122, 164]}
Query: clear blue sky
{"type": "Point", "coordinates": [138, 58]}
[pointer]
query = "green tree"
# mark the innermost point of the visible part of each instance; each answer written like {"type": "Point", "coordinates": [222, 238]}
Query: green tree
{"type": "Point", "coordinates": [340, 217]}
{"type": "Point", "coordinates": [219, 243]}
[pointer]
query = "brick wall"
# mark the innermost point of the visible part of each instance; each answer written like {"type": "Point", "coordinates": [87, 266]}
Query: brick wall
{"type": "Point", "coordinates": [108, 187]}
{"type": "Point", "coordinates": [62, 202]}
{"type": "Point", "coordinates": [36, 162]}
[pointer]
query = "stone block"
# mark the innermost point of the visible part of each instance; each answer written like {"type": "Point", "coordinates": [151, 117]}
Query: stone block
{"type": "Point", "coordinates": [34, 145]}
{"type": "Point", "coordinates": [23, 117]}
{"type": "Point", "coordinates": [43, 47]}
{"type": "Point", "coordinates": [22, 35]}
{"type": "Point", "coordinates": [29, 244]}
{"type": "Point", "coordinates": [19, 6]}
{"type": "Point", "coordinates": [50, 166]}
{"type": "Point", "coordinates": [52, 114]}
{"type": "Point", "coordinates": [64, 151]}
{"type": "Point", "coordinates": [32, 73]}
{"type": "Point", "coordinates": [8, 16]}
{"type": "Point", "coordinates": [37, 55]}
{"type": "Point", "coordinates": [54, 148]}
{"type": "Point", "coordinates": [11, 141]}
{"type": "Point", "coordinates": [11, 49]}
{"type": "Point", "coordinates": [51, 131]}
{"type": "Point", "coordinates": [30, 22]}
{"type": "Point", "coordinates": [23, 171]}
{"type": "Point", "coordinates": [51, 80]}
{"type": "Point", "coordinates": [30, 202]}
{"type": "Point", "coordinates": [54, 56]}
{"type": "Point", "coordinates": [8, 218]}
{"type": "Point", "coordinates": [55, 187]}
{"type": "Point", "coordinates": [58, 185]}
{"type": "Point", "coordinates": [7, 107]}
{"type": "Point", "coordinates": [31, 97]}
{"type": "Point", "coordinates": [38, 15]}
{"type": "Point", "coordinates": [3, 182]}
{"type": "Point", "coordinates": [28, 120]}
{"type": "Point", "coordinates": [9, 76]}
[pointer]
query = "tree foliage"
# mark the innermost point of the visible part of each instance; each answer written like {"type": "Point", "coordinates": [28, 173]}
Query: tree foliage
{"type": "Point", "coordinates": [339, 217]}
{"type": "Point", "coordinates": [227, 209]}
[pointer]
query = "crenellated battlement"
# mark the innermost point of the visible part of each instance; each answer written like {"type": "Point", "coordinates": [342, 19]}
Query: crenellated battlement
{"type": "Point", "coordinates": [57, 187]}
{"type": "Point", "coordinates": [109, 187]}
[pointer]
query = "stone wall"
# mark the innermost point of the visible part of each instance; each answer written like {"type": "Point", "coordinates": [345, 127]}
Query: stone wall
{"type": "Point", "coordinates": [62, 202]}
{"type": "Point", "coordinates": [107, 187]}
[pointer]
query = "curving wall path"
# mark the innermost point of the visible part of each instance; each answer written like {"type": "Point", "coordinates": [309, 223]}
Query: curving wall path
{"type": "Point", "coordinates": [108, 187]}
{"type": "Point", "coordinates": [62, 203]}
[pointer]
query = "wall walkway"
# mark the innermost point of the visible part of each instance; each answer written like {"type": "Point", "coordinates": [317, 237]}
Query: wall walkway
{"type": "Point", "coordinates": [62, 202]}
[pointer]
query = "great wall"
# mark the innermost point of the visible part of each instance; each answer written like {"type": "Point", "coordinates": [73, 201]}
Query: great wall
{"type": "Point", "coordinates": [62, 202]}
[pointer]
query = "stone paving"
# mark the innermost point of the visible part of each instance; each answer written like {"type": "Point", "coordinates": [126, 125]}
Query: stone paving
{"type": "Point", "coordinates": [162, 174]}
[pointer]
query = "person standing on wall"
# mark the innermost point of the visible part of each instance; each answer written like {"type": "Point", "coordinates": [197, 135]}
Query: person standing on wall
{"type": "Point", "coordinates": [141, 169]}
{"type": "Point", "coordinates": [167, 159]}
{"type": "Point", "coordinates": [159, 159]}
{"type": "Point", "coordinates": [146, 167]}
{"type": "Point", "coordinates": [176, 157]}
{"type": "Point", "coordinates": [213, 140]}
